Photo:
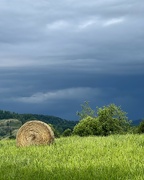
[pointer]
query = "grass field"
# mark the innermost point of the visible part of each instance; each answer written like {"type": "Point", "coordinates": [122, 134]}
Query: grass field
{"type": "Point", "coordinates": [118, 157]}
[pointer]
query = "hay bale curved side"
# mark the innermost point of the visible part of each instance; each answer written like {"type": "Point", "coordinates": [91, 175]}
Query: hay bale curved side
{"type": "Point", "coordinates": [34, 133]}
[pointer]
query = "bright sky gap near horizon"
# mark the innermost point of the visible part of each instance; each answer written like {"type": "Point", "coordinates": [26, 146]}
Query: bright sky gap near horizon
{"type": "Point", "coordinates": [54, 55]}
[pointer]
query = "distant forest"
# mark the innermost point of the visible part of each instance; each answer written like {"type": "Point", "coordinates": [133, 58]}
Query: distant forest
{"type": "Point", "coordinates": [59, 124]}
{"type": "Point", "coordinates": [10, 122]}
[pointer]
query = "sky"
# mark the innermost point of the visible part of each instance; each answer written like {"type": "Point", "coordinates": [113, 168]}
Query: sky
{"type": "Point", "coordinates": [54, 55]}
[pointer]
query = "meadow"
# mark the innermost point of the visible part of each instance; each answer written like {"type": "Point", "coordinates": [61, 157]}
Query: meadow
{"type": "Point", "coordinates": [116, 157]}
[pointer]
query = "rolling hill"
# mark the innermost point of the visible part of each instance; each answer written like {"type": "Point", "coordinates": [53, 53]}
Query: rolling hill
{"type": "Point", "coordinates": [11, 121]}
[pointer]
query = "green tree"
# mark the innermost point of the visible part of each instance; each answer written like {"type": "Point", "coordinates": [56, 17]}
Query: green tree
{"type": "Point", "coordinates": [112, 120]}
{"type": "Point", "coordinates": [108, 120]}
{"type": "Point", "coordinates": [86, 111]}
{"type": "Point", "coordinates": [141, 127]}
{"type": "Point", "coordinates": [87, 126]}
{"type": "Point", "coordinates": [67, 132]}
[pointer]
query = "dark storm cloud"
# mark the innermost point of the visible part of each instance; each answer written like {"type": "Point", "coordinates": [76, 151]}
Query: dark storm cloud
{"type": "Point", "coordinates": [55, 55]}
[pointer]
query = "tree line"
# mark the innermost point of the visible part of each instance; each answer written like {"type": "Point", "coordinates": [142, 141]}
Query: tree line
{"type": "Point", "coordinates": [103, 121]}
{"type": "Point", "coordinates": [59, 125]}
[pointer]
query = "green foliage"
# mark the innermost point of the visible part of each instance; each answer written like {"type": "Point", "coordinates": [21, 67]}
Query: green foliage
{"type": "Point", "coordinates": [8, 115]}
{"type": "Point", "coordinates": [59, 124]}
{"type": "Point", "coordinates": [87, 126]}
{"type": "Point", "coordinates": [113, 120]}
{"type": "Point", "coordinates": [67, 132]}
{"type": "Point", "coordinates": [86, 111]}
{"type": "Point", "coordinates": [141, 127]}
{"type": "Point", "coordinates": [109, 120]}
{"type": "Point", "coordinates": [75, 158]}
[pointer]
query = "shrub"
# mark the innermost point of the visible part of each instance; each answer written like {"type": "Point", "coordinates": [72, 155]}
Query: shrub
{"type": "Point", "coordinates": [87, 126]}
{"type": "Point", "coordinates": [67, 132]}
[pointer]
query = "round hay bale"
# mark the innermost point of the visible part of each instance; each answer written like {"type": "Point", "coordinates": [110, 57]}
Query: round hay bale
{"type": "Point", "coordinates": [34, 133]}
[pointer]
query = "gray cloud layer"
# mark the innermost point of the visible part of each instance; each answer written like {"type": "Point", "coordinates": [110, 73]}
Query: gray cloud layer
{"type": "Point", "coordinates": [55, 55]}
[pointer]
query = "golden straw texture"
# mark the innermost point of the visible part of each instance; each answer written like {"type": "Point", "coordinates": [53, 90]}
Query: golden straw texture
{"type": "Point", "coordinates": [34, 133]}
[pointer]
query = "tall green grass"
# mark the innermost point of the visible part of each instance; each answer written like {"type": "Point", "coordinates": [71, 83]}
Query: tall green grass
{"type": "Point", "coordinates": [118, 157]}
